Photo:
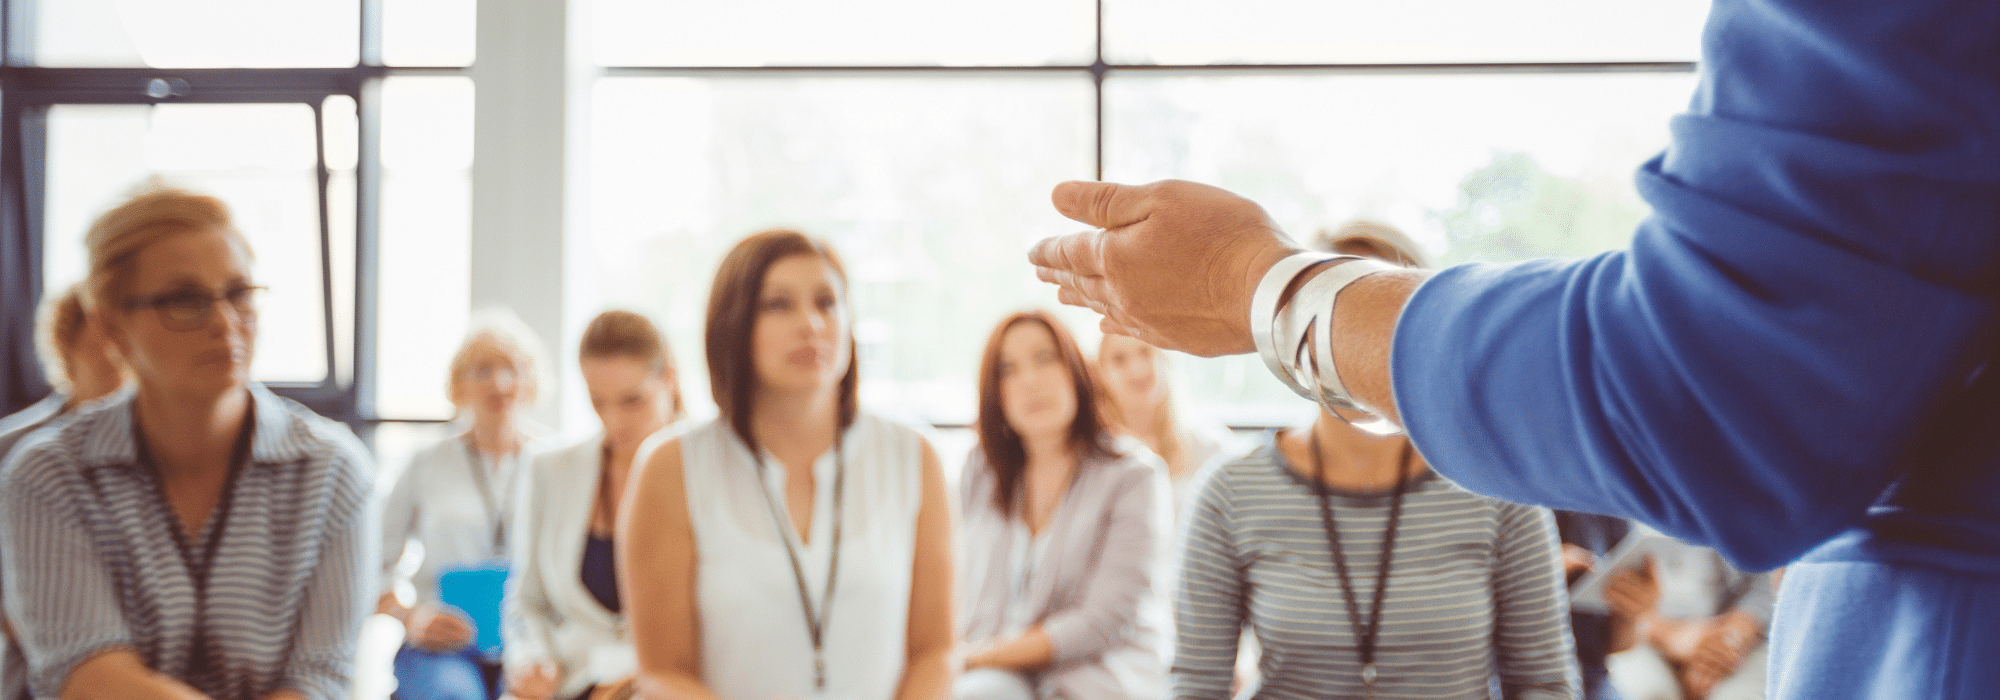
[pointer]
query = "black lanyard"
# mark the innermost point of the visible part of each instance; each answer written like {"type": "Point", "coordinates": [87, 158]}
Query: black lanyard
{"type": "Point", "coordinates": [204, 670]}
{"type": "Point", "coordinates": [486, 496]}
{"type": "Point", "coordinates": [815, 620]}
{"type": "Point", "coordinates": [1365, 634]}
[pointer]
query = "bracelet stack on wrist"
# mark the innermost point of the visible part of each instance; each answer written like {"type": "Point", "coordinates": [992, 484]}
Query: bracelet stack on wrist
{"type": "Point", "coordinates": [1296, 338]}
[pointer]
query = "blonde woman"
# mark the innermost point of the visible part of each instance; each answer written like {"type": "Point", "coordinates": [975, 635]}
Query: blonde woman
{"type": "Point", "coordinates": [1362, 573]}
{"type": "Point", "coordinates": [1140, 403]}
{"type": "Point", "coordinates": [198, 537]}
{"type": "Point", "coordinates": [456, 500]}
{"type": "Point", "coordinates": [565, 632]}
{"type": "Point", "coordinates": [795, 546]}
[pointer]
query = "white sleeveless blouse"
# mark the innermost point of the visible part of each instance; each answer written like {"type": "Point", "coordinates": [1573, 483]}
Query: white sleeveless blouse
{"type": "Point", "coordinates": [754, 640]}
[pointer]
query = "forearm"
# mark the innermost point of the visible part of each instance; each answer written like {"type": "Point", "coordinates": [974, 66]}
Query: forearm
{"type": "Point", "coordinates": [121, 675]}
{"type": "Point", "coordinates": [1031, 651]}
{"type": "Point", "coordinates": [673, 685]}
{"type": "Point", "coordinates": [928, 676]}
{"type": "Point", "coordinates": [1364, 331]}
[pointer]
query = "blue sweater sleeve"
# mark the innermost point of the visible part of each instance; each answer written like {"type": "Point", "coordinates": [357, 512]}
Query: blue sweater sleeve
{"type": "Point", "coordinates": [1819, 269]}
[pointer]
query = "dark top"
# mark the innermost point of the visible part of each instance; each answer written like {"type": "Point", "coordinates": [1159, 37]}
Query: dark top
{"type": "Point", "coordinates": [600, 571]}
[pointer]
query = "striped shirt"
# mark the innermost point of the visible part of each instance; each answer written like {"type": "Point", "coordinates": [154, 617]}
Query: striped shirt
{"type": "Point", "coordinates": [13, 668]}
{"type": "Point", "coordinates": [91, 564]}
{"type": "Point", "coordinates": [1475, 591]}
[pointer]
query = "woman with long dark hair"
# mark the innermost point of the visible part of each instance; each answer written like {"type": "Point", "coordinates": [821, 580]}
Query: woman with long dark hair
{"type": "Point", "coordinates": [795, 546]}
{"type": "Point", "coordinates": [1062, 532]}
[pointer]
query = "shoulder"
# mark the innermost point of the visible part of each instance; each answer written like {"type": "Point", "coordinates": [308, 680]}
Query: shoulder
{"type": "Point", "coordinates": [563, 458]}
{"type": "Point", "coordinates": [329, 449]}
{"type": "Point", "coordinates": [40, 460]}
{"type": "Point", "coordinates": [880, 432]}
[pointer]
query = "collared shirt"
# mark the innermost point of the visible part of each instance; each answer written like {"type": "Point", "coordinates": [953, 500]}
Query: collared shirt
{"type": "Point", "coordinates": [13, 668]}
{"type": "Point", "coordinates": [456, 507]}
{"type": "Point", "coordinates": [88, 551]}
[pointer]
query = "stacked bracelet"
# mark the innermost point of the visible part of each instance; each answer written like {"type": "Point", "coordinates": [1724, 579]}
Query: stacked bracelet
{"type": "Point", "coordinates": [1296, 340]}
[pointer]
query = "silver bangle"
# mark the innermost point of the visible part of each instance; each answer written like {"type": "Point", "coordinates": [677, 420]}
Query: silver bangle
{"type": "Point", "coordinates": [1264, 314]}
{"type": "Point", "coordinates": [1308, 320]}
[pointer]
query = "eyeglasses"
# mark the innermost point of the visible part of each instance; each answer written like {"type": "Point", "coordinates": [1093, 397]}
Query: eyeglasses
{"type": "Point", "coordinates": [189, 309]}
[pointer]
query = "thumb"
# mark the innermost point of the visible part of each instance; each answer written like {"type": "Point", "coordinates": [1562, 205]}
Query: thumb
{"type": "Point", "coordinates": [1100, 204]}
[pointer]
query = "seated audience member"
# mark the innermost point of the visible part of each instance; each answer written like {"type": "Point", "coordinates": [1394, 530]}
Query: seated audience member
{"type": "Point", "coordinates": [1363, 574]}
{"type": "Point", "coordinates": [1585, 538]}
{"type": "Point", "coordinates": [82, 367]}
{"type": "Point", "coordinates": [795, 546]}
{"type": "Point", "coordinates": [455, 500]}
{"type": "Point", "coordinates": [1061, 534]}
{"type": "Point", "coordinates": [1140, 402]}
{"type": "Point", "coordinates": [565, 631]}
{"type": "Point", "coordinates": [198, 537]}
{"type": "Point", "coordinates": [1699, 626]}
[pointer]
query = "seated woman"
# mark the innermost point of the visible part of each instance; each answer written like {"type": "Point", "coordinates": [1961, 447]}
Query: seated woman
{"type": "Point", "coordinates": [564, 633]}
{"type": "Point", "coordinates": [1364, 574]}
{"type": "Point", "coordinates": [795, 546]}
{"type": "Point", "coordinates": [198, 537]}
{"type": "Point", "coordinates": [1140, 403]}
{"type": "Point", "coordinates": [82, 368]}
{"type": "Point", "coordinates": [1062, 535]}
{"type": "Point", "coordinates": [456, 499]}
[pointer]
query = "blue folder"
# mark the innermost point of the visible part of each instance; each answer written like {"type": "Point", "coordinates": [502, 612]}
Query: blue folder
{"type": "Point", "coordinates": [477, 588]}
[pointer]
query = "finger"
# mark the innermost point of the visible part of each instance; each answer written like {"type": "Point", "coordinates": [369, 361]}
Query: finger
{"type": "Point", "coordinates": [1078, 253]}
{"type": "Point", "coordinates": [1101, 204]}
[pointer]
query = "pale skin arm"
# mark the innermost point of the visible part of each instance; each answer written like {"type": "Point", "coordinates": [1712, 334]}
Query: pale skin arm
{"type": "Point", "coordinates": [656, 570]}
{"type": "Point", "coordinates": [928, 673]}
{"type": "Point", "coordinates": [1029, 652]}
{"type": "Point", "coordinates": [1176, 263]}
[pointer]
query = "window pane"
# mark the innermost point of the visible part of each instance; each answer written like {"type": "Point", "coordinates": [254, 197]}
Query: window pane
{"type": "Point", "coordinates": [1490, 167]}
{"type": "Point", "coordinates": [258, 158]}
{"type": "Point", "coordinates": [864, 32]}
{"type": "Point", "coordinates": [1411, 31]}
{"type": "Point", "coordinates": [428, 32]}
{"type": "Point", "coordinates": [931, 189]}
{"type": "Point", "coordinates": [425, 253]}
{"type": "Point", "coordinates": [198, 33]}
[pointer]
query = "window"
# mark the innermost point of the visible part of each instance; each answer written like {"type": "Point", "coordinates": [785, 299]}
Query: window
{"type": "Point", "coordinates": [922, 139]}
{"type": "Point", "coordinates": [302, 119]}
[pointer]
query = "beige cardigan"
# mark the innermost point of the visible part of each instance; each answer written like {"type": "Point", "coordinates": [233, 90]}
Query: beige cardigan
{"type": "Point", "coordinates": [549, 616]}
{"type": "Point", "coordinates": [1097, 590]}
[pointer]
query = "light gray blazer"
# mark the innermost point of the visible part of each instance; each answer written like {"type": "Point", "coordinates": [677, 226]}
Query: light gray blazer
{"type": "Point", "coordinates": [549, 616]}
{"type": "Point", "coordinates": [1096, 591]}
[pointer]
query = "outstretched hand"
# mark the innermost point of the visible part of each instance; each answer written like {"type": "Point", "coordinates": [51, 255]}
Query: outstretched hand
{"type": "Point", "coordinates": [1174, 264]}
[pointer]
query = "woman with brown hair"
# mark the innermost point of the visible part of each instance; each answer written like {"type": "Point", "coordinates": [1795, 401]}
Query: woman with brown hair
{"type": "Point", "coordinates": [564, 629]}
{"type": "Point", "coordinates": [795, 546]}
{"type": "Point", "coordinates": [198, 537]}
{"type": "Point", "coordinates": [1062, 533]}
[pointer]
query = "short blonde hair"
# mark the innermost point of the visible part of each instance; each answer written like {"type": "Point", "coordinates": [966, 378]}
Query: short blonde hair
{"type": "Point", "coordinates": [58, 325]}
{"type": "Point", "coordinates": [153, 215]}
{"type": "Point", "coordinates": [500, 330]}
{"type": "Point", "coordinates": [1372, 239]}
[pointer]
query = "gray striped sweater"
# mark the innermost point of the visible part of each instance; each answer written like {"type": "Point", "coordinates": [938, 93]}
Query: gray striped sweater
{"type": "Point", "coordinates": [1475, 598]}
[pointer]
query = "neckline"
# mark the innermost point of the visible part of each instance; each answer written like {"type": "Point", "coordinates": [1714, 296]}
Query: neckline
{"type": "Point", "coordinates": [1351, 497]}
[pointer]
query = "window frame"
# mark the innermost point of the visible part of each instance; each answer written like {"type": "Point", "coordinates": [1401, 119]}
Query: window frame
{"type": "Point", "coordinates": [27, 91]}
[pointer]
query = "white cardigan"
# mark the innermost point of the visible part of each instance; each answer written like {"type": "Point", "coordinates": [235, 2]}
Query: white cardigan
{"type": "Point", "coordinates": [550, 616]}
